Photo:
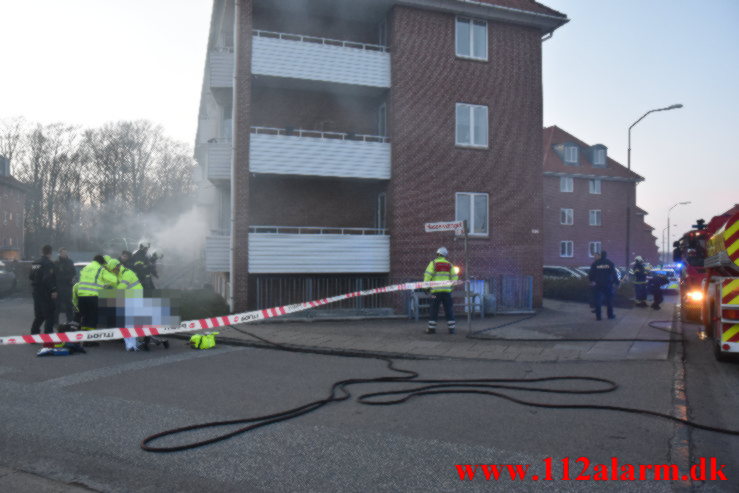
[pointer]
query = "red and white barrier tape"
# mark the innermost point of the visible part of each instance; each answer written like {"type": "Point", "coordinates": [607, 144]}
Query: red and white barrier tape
{"type": "Point", "coordinates": [209, 323]}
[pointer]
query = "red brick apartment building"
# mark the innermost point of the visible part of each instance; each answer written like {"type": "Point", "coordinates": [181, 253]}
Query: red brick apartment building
{"type": "Point", "coordinates": [330, 131]}
{"type": "Point", "coordinates": [12, 207]}
{"type": "Point", "coordinates": [585, 203]}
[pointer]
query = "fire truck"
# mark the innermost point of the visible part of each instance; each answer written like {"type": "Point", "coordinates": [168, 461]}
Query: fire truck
{"type": "Point", "coordinates": [709, 279]}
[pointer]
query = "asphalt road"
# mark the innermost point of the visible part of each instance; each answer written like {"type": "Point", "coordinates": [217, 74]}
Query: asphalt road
{"type": "Point", "coordinates": [75, 423]}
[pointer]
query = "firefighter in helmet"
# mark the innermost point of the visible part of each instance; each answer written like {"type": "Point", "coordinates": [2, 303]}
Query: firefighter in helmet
{"type": "Point", "coordinates": [638, 273]}
{"type": "Point", "coordinates": [441, 269]}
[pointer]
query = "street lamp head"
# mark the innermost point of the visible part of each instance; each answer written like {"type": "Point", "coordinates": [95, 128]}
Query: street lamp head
{"type": "Point", "coordinates": [674, 106]}
{"type": "Point", "coordinates": [685, 203]}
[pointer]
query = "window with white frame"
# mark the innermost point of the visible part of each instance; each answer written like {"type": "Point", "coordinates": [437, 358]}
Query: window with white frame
{"type": "Point", "coordinates": [567, 216]}
{"type": "Point", "coordinates": [599, 156]}
{"type": "Point", "coordinates": [473, 207]}
{"type": "Point", "coordinates": [595, 217]}
{"type": "Point", "coordinates": [595, 186]}
{"type": "Point", "coordinates": [472, 38]}
{"type": "Point", "coordinates": [566, 184]}
{"type": "Point", "coordinates": [472, 125]}
{"type": "Point", "coordinates": [566, 249]}
{"type": "Point", "coordinates": [593, 248]}
{"type": "Point", "coordinates": [571, 154]}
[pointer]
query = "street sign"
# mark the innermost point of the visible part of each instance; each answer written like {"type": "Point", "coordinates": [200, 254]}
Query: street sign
{"type": "Point", "coordinates": [456, 226]}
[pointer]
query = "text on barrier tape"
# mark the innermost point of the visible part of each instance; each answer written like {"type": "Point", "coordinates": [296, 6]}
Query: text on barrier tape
{"type": "Point", "coordinates": [209, 323]}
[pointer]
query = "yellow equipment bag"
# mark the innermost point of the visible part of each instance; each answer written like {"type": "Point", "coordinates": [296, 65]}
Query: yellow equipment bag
{"type": "Point", "coordinates": [203, 341]}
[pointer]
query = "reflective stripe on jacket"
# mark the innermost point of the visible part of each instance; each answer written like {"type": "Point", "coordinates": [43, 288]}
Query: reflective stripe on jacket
{"type": "Point", "coordinates": [93, 278]}
{"type": "Point", "coordinates": [440, 269]}
{"type": "Point", "coordinates": [127, 279]}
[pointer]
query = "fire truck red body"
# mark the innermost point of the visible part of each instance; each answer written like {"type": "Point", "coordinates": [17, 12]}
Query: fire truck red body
{"type": "Point", "coordinates": [709, 279]}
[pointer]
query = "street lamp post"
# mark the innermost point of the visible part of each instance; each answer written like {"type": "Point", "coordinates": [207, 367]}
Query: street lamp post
{"type": "Point", "coordinates": [628, 193]}
{"type": "Point", "coordinates": [664, 246]}
{"type": "Point", "coordinates": [668, 220]}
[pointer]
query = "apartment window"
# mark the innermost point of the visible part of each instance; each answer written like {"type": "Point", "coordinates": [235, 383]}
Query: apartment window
{"type": "Point", "coordinates": [474, 208]}
{"type": "Point", "coordinates": [566, 249]}
{"type": "Point", "coordinates": [382, 120]}
{"type": "Point", "coordinates": [599, 156]}
{"type": "Point", "coordinates": [472, 125]}
{"type": "Point", "coordinates": [566, 184]}
{"type": "Point", "coordinates": [593, 248]}
{"type": "Point", "coordinates": [381, 217]}
{"type": "Point", "coordinates": [595, 186]}
{"type": "Point", "coordinates": [472, 39]}
{"type": "Point", "coordinates": [595, 217]}
{"type": "Point", "coordinates": [566, 216]}
{"type": "Point", "coordinates": [571, 154]}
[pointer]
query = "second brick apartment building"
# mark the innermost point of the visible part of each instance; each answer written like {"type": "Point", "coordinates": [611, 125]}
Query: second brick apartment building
{"type": "Point", "coordinates": [586, 196]}
{"type": "Point", "coordinates": [331, 131]}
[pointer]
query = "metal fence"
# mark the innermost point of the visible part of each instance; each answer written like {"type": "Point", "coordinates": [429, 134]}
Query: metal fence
{"type": "Point", "coordinates": [512, 293]}
{"type": "Point", "coordinates": [279, 291]}
{"type": "Point", "coordinates": [501, 294]}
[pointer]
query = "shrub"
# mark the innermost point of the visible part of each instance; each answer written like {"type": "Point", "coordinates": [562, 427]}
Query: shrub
{"type": "Point", "coordinates": [198, 303]}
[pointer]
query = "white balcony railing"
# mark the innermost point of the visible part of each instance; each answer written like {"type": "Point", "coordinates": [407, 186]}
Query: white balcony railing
{"type": "Point", "coordinates": [305, 250]}
{"type": "Point", "coordinates": [308, 250]}
{"type": "Point", "coordinates": [218, 253]}
{"type": "Point", "coordinates": [306, 57]}
{"type": "Point", "coordinates": [310, 153]}
{"type": "Point", "coordinates": [218, 154]}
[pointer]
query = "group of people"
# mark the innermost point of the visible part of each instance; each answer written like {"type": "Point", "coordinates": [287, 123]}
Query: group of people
{"type": "Point", "coordinates": [58, 288]}
{"type": "Point", "coordinates": [604, 281]}
{"type": "Point", "coordinates": [646, 284]}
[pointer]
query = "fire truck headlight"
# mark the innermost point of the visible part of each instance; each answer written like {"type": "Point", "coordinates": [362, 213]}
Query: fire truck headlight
{"type": "Point", "coordinates": [695, 296]}
{"type": "Point", "coordinates": [456, 270]}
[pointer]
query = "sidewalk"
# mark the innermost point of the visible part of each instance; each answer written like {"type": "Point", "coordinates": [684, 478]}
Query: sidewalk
{"type": "Point", "coordinates": [541, 337]}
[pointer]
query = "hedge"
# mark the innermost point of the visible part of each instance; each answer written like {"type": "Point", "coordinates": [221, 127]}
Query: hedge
{"type": "Point", "coordinates": [580, 290]}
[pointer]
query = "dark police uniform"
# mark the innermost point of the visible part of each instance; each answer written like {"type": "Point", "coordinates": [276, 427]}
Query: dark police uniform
{"type": "Point", "coordinates": [43, 282]}
{"type": "Point", "coordinates": [603, 274]}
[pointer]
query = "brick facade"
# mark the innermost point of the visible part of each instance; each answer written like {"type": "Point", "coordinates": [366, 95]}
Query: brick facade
{"type": "Point", "coordinates": [618, 186]}
{"type": "Point", "coordinates": [12, 208]}
{"type": "Point", "coordinates": [428, 169]}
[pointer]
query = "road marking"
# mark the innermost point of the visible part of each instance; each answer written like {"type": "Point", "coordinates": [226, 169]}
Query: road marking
{"type": "Point", "coordinates": [88, 376]}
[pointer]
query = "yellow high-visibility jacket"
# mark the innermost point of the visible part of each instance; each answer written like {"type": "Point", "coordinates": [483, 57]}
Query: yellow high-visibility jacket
{"type": "Point", "coordinates": [440, 269]}
{"type": "Point", "coordinates": [93, 278]}
{"type": "Point", "coordinates": [128, 280]}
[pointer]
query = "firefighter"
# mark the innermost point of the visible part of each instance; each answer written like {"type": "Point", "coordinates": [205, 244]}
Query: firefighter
{"type": "Point", "coordinates": [440, 269]}
{"type": "Point", "coordinates": [603, 278]}
{"type": "Point", "coordinates": [144, 268]}
{"type": "Point", "coordinates": [125, 259]}
{"type": "Point", "coordinates": [93, 278]}
{"type": "Point", "coordinates": [638, 273]}
{"type": "Point", "coordinates": [654, 285]}
{"type": "Point", "coordinates": [43, 282]}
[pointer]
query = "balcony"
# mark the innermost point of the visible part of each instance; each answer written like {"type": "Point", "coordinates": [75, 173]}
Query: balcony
{"type": "Point", "coordinates": [311, 250]}
{"type": "Point", "coordinates": [218, 253]}
{"type": "Point", "coordinates": [294, 56]}
{"type": "Point", "coordinates": [218, 159]}
{"type": "Point", "coordinates": [305, 250]}
{"type": "Point", "coordinates": [314, 153]}
{"type": "Point", "coordinates": [221, 69]}
{"type": "Point", "coordinates": [320, 59]}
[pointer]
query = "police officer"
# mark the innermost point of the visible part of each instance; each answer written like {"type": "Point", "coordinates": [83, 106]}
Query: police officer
{"type": "Point", "coordinates": [66, 276]}
{"type": "Point", "coordinates": [638, 273]}
{"type": "Point", "coordinates": [43, 282]}
{"type": "Point", "coordinates": [603, 278]}
{"type": "Point", "coordinates": [440, 269]}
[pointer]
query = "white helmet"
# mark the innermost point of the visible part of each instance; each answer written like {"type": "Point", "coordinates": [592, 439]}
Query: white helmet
{"type": "Point", "coordinates": [638, 258]}
{"type": "Point", "coordinates": [443, 252]}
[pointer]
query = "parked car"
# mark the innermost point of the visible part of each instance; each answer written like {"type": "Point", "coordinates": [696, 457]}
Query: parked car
{"type": "Point", "coordinates": [561, 272]}
{"type": "Point", "coordinates": [7, 279]}
{"type": "Point", "coordinates": [79, 266]}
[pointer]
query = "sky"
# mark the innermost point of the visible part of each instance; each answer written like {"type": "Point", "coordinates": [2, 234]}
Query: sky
{"type": "Point", "coordinates": [89, 62]}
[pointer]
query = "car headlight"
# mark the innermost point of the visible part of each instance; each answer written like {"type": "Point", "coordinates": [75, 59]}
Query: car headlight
{"type": "Point", "coordinates": [695, 296]}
